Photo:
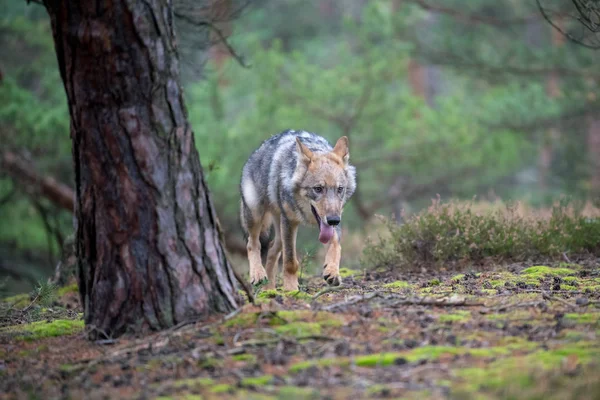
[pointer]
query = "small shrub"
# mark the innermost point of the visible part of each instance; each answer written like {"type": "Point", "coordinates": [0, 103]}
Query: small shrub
{"type": "Point", "coordinates": [453, 232]}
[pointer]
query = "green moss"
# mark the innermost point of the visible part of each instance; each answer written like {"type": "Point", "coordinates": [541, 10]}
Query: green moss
{"type": "Point", "coordinates": [398, 285]}
{"type": "Point", "coordinates": [68, 289]}
{"type": "Point", "coordinates": [18, 301]}
{"type": "Point", "coordinates": [298, 294]}
{"type": "Point", "coordinates": [268, 294]}
{"type": "Point", "coordinates": [221, 388]}
{"type": "Point", "coordinates": [325, 319]}
{"type": "Point", "coordinates": [218, 339]}
{"type": "Point", "coordinates": [297, 393]}
{"type": "Point", "coordinates": [299, 329]}
{"type": "Point", "coordinates": [245, 357]}
{"type": "Point", "coordinates": [570, 280]}
{"type": "Point", "coordinates": [459, 316]}
{"type": "Point", "coordinates": [542, 271]}
{"type": "Point", "coordinates": [585, 318]}
{"type": "Point", "coordinates": [69, 368]}
{"type": "Point", "coordinates": [497, 283]}
{"type": "Point", "coordinates": [256, 381]}
{"type": "Point", "coordinates": [377, 389]}
{"type": "Point", "coordinates": [517, 371]}
{"type": "Point", "coordinates": [386, 359]}
{"type": "Point", "coordinates": [249, 320]}
{"type": "Point", "coordinates": [243, 320]}
{"type": "Point", "coordinates": [324, 362]}
{"type": "Point", "coordinates": [457, 278]}
{"type": "Point", "coordinates": [210, 363]}
{"type": "Point", "coordinates": [193, 382]}
{"type": "Point", "coordinates": [511, 316]}
{"type": "Point", "coordinates": [434, 282]}
{"type": "Point", "coordinates": [569, 287]}
{"type": "Point", "coordinates": [42, 329]}
{"type": "Point", "coordinates": [346, 272]}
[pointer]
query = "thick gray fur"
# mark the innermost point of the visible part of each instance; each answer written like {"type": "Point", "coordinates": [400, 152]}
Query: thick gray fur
{"type": "Point", "coordinates": [270, 170]}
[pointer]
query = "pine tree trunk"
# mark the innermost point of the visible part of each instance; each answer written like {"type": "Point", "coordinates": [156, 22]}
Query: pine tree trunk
{"type": "Point", "coordinates": [147, 239]}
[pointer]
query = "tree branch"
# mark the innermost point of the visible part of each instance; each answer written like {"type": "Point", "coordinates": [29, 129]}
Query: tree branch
{"type": "Point", "coordinates": [23, 174]}
{"type": "Point", "coordinates": [583, 19]}
{"type": "Point", "coordinates": [222, 38]}
{"type": "Point", "coordinates": [473, 18]}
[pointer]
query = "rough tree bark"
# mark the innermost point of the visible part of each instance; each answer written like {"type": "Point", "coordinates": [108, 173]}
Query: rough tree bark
{"type": "Point", "coordinates": [147, 240]}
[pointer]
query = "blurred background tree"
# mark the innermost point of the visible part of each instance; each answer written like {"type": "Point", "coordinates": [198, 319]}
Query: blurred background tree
{"type": "Point", "coordinates": [438, 97]}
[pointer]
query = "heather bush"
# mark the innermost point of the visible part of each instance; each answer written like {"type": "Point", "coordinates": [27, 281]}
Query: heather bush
{"type": "Point", "coordinates": [458, 232]}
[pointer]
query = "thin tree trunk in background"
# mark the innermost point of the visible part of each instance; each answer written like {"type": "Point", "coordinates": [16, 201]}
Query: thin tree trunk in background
{"type": "Point", "coordinates": [593, 140]}
{"type": "Point", "coordinates": [147, 238]}
{"type": "Point", "coordinates": [553, 133]}
{"type": "Point", "coordinates": [221, 12]}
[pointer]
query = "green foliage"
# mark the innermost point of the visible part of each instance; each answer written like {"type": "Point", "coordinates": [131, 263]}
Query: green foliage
{"type": "Point", "coordinates": [46, 293]}
{"type": "Point", "coordinates": [449, 232]}
{"type": "Point", "coordinates": [357, 89]}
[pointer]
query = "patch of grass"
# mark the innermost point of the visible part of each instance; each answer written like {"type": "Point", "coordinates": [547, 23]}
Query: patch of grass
{"type": "Point", "coordinates": [457, 232]}
{"type": "Point", "coordinates": [256, 381]}
{"type": "Point", "coordinates": [42, 329]}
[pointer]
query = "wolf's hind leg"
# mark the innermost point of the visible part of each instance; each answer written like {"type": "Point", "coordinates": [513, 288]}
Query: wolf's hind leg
{"type": "Point", "coordinates": [331, 268]}
{"type": "Point", "coordinates": [273, 255]}
{"type": "Point", "coordinates": [289, 229]}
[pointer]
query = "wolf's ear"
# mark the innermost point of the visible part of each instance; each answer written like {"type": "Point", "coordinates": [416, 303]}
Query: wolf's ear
{"type": "Point", "coordinates": [341, 149]}
{"type": "Point", "coordinates": [305, 154]}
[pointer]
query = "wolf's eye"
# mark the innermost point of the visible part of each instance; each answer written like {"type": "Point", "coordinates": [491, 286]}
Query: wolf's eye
{"type": "Point", "coordinates": [341, 190]}
{"type": "Point", "coordinates": [318, 189]}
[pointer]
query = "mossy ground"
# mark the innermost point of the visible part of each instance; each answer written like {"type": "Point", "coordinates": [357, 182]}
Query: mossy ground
{"type": "Point", "coordinates": [521, 331]}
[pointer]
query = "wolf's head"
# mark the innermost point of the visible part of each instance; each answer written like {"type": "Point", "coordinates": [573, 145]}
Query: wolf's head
{"type": "Point", "coordinates": [325, 180]}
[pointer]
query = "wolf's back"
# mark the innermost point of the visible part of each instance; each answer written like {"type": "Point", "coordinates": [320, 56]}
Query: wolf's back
{"type": "Point", "coordinates": [270, 167]}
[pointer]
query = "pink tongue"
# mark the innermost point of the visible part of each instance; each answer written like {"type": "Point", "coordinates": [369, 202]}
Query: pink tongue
{"type": "Point", "coordinates": [325, 232]}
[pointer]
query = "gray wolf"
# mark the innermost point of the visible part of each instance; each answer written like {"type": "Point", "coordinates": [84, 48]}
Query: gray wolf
{"type": "Point", "coordinates": [293, 178]}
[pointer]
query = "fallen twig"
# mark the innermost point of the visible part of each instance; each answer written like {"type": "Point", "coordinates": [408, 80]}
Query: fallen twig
{"type": "Point", "coordinates": [451, 301]}
{"type": "Point", "coordinates": [547, 296]}
{"type": "Point", "coordinates": [329, 289]}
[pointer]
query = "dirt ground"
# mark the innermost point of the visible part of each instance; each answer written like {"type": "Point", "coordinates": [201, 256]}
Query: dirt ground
{"type": "Point", "coordinates": [515, 331]}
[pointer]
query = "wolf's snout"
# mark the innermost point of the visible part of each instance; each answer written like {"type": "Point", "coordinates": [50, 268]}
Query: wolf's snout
{"type": "Point", "coordinates": [333, 220]}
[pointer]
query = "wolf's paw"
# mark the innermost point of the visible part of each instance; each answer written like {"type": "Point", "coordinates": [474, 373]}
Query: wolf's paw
{"type": "Point", "coordinates": [332, 276]}
{"type": "Point", "coordinates": [333, 280]}
{"type": "Point", "coordinates": [260, 282]}
{"type": "Point", "coordinates": [290, 282]}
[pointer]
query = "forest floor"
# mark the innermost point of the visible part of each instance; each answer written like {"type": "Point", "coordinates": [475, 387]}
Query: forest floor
{"type": "Point", "coordinates": [514, 331]}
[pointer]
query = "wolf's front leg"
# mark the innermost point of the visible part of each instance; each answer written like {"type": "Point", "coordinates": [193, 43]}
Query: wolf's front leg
{"type": "Point", "coordinates": [331, 268]}
{"type": "Point", "coordinates": [289, 229]}
{"type": "Point", "coordinates": [258, 274]}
